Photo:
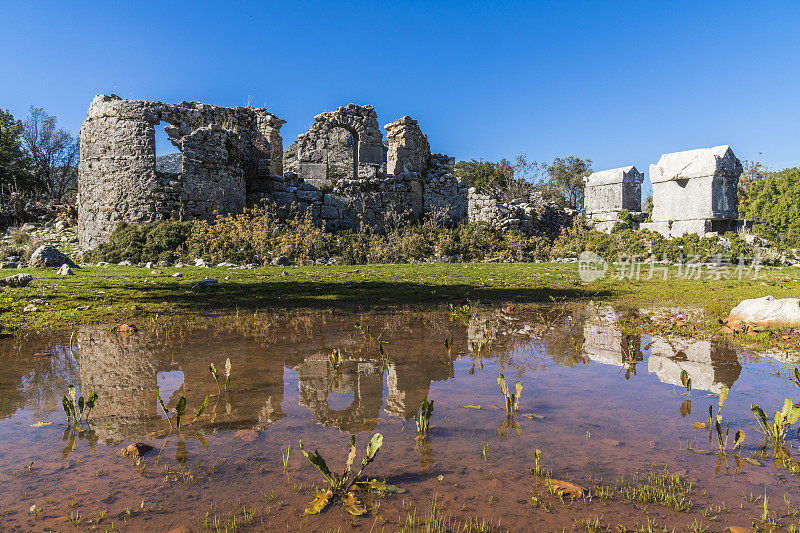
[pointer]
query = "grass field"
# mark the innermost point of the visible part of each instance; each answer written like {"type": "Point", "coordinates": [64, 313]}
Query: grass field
{"type": "Point", "coordinates": [114, 293]}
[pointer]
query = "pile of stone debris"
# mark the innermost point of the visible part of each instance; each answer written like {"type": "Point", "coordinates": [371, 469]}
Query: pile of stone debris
{"type": "Point", "coordinates": [533, 215]}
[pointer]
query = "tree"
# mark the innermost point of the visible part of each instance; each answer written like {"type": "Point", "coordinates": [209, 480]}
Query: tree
{"type": "Point", "coordinates": [566, 180]}
{"type": "Point", "coordinates": [774, 206]}
{"type": "Point", "coordinates": [485, 175]}
{"type": "Point", "coordinates": [14, 165]}
{"type": "Point", "coordinates": [754, 173]}
{"type": "Point", "coordinates": [647, 206]}
{"type": "Point", "coordinates": [53, 153]}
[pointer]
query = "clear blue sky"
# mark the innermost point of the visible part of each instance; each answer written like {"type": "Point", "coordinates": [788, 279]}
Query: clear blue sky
{"type": "Point", "coordinates": [619, 82]}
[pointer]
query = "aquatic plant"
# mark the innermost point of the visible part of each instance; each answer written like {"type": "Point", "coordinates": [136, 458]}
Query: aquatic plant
{"type": "Point", "coordinates": [335, 360]}
{"type": "Point", "coordinates": [722, 442]}
{"type": "Point", "coordinates": [423, 420]}
{"type": "Point", "coordinates": [512, 400]}
{"type": "Point", "coordinates": [537, 469]}
{"type": "Point", "coordinates": [285, 457]}
{"type": "Point", "coordinates": [384, 355]}
{"type": "Point", "coordinates": [79, 410]}
{"type": "Point", "coordinates": [341, 485]}
{"type": "Point", "coordinates": [686, 381]}
{"type": "Point", "coordinates": [180, 411]}
{"type": "Point", "coordinates": [212, 369]}
{"type": "Point", "coordinates": [781, 421]}
{"type": "Point", "coordinates": [448, 344]}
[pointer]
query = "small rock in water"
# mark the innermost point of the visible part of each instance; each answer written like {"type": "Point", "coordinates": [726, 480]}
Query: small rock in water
{"type": "Point", "coordinates": [126, 328]}
{"type": "Point", "coordinates": [247, 435]}
{"type": "Point", "coordinates": [17, 280]}
{"type": "Point", "coordinates": [65, 270]}
{"type": "Point", "coordinates": [207, 283]}
{"type": "Point", "coordinates": [135, 450]}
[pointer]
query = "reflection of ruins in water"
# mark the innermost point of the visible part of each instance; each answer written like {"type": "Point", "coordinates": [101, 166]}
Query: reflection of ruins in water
{"type": "Point", "coordinates": [605, 342]}
{"type": "Point", "coordinates": [708, 363]}
{"type": "Point", "coordinates": [126, 369]}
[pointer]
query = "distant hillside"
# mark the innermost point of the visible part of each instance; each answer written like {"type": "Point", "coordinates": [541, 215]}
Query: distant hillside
{"type": "Point", "coordinates": [170, 163]}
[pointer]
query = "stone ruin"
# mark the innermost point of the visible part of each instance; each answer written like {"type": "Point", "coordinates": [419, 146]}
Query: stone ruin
{"type": "Point", "coordinates": [694, 192]}
{"type": "Point", "coordinates": [609, 192]}
{"type": "Point", "coordinates": [345, 175]}
{"type": "Point", "coordinates": [340, 170]}
{"type": "Point", "coordinates": [229, 154]}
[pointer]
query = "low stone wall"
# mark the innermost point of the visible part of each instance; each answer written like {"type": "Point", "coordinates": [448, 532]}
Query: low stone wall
{"type": "Point", "coordinates": [534, 216]}
{"type": "Point", "coordinates": [379, 203]}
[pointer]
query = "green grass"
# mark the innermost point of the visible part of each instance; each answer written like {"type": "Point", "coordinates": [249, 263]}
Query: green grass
{"type": "Point", "coordinates": [113, 294]}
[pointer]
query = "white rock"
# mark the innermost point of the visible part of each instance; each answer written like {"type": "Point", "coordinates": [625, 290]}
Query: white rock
{"type": "Point", "coordinates": [65, 270]}
{"type": "Point", "coordinates": [766, 311]}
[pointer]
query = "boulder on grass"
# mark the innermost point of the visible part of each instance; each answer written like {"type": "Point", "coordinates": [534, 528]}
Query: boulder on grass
{"type": "Point", "coordinates": [49, 256]}
{"type": "Point", "coordinates": [767, 312]}
{"type": "Point", "coordinates": [17, 280]}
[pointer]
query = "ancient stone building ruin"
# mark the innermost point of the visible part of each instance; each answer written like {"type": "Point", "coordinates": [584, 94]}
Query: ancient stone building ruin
{"type": "Point", "coordinates": [228, 155]}
{"type": "Point", "coordinates": [340, 170]}
{"type": "Point", "coordinates": [695, 192]}
{"type": "Point", "coordinates": [343, 173]}
{"type": "Point", "coordinates": [609, 192]}
{"type": "Point", "coordinates": [318, 155]}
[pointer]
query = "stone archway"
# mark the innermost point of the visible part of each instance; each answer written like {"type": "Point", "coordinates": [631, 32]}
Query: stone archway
{"type": "Point", "coordinates": [308, 156]}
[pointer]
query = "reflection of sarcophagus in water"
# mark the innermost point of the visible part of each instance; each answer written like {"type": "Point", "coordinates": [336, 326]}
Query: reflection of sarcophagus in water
{"type": "Point", "coordinates": [708, 363]}
{"type": "Point", "coordinates": [364, 379]}
{"type": "Point", "coordinates": [604, 341]}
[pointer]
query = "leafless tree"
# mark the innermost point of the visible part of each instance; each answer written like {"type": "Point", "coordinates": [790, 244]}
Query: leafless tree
{"type": "Point", "coordinates": [53, 153]}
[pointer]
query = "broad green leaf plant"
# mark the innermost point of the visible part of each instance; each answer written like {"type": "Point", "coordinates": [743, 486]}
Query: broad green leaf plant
{"type": "Point", "coordinates": [342, 485]}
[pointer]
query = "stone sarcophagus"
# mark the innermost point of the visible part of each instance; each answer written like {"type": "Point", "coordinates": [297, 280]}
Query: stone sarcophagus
{"type": "Point", "coordinates": [608, 192]}
{"type": "Point", "coordinates": [695, 192]}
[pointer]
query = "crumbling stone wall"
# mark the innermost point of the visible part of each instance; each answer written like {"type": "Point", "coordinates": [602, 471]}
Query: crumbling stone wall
{"type": "Point", "coordinates": [533, 215]}
{"type": "Point", "coordinates": [409, 150]}
{"type": "Point", "coordinates": [312, 158]}
{"type": "Point", "coordinates": [228, 154]}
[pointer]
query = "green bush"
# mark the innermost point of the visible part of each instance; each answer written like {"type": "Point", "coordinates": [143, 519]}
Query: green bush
{"type": "Point", "coordinates": [152, 241]}
{"type": "Point", "coordinates": [773, 203]}
{"type": "Point", "coordinates": [257, 236]}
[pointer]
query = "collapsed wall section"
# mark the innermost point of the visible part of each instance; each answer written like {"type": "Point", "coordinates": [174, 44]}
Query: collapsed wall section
{"type": "Point", "coordinates": [228, 154]}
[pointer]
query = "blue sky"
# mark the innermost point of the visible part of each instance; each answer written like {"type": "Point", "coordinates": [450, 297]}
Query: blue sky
{"type": "Point", "coordinates": [619, 82]}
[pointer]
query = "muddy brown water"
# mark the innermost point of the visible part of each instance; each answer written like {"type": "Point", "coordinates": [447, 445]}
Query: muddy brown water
{"type": "Point", "coordinates": [610, 399]}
